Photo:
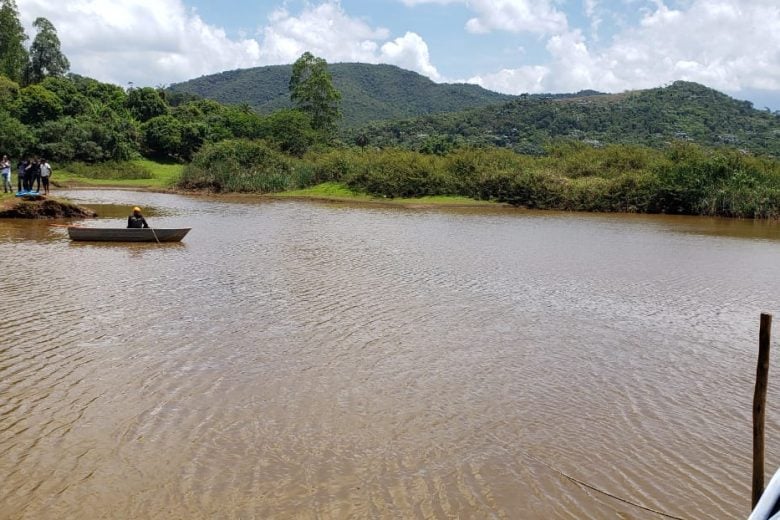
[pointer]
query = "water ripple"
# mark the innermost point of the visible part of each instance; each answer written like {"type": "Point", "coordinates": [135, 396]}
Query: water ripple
{"type": "Point", "coordinates": [303, 360]}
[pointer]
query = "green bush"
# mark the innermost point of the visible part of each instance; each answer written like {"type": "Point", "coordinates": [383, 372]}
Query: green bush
{"type": "Point", "coordinates": [399, 173]}
{"type": "Point", "coordinates": [240, 165]}
{"type": "Point", "coordinates": [335, 165]}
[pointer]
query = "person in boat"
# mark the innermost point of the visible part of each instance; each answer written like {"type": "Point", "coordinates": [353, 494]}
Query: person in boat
{"type": "Point", "coordinates": [136, 220]}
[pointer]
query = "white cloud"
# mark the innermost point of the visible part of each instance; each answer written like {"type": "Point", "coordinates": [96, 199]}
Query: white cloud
{"type": "Point", "coordinates": [153, 42]}
{"type": "Point", "coordinates": [324, 30]}
{"type": "Point", "coordinates": [327, 31]}
{"type": "Point", "coordinates": [726, 44]}
{"type": "Point", "coordinates": [592, 12]}
{"type": "Point", "coordinates": [410, 52]}
{"type": "Point", "coordinates": [534, 16]}
{"type": "Point", "coordinates": [149, 42]}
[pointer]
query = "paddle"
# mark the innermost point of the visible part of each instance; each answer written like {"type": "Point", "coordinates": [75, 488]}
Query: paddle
{"type": "Point", "coordinates": [155, 234]}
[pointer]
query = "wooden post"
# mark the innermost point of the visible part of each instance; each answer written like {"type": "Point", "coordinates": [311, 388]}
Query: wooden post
{"type": "Point", "coordinates": [759, 406]}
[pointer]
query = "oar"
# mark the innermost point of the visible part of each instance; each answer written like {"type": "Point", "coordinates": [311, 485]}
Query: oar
{"type": "Point", "coordinates": [155, 234]}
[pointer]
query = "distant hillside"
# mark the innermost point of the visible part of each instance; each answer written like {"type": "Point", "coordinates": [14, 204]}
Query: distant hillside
{"type": "Point", "coordinates": [681, 111]}
{"type": "Point", "coordinates": [369, 92]}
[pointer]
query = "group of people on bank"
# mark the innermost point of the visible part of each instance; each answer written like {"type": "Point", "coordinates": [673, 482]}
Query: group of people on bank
{"type": "Point", "coordinates": [30, 172]}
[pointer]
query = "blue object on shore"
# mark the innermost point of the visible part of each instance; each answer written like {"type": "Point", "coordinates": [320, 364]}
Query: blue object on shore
{"type": "Point", "coordinates": [26, 193]}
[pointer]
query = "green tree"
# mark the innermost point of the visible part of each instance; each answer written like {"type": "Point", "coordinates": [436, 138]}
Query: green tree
{"type": "Point", "coordinates": [13, 55]}
{"type": "Point", "coordinates": [103, 136]}
{"type": "Point", "coordinates": [290, 130]}
{"type": "Point", "coordinates": [193, 135]}
{"type": "Point", "coordinates": [36, 105]}
{"type": "Point", "coordinates": [9, 93]}
{"type": "Point", "coordinates": [163, 136]}
{"type": "Point", "coordinates": [146, 103]}
{"type": "Point", "coordinates": [312, 91]}
{"type": "Point", "coordinates": [107, 94]}
{"type": "Point", "coordinates": [15, 137]}
{"type": "Point", "coordinates": [46, 58]}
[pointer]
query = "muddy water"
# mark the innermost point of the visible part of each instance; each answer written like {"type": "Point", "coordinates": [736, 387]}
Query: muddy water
{"type": "Point", "coordinates": [303, 360]}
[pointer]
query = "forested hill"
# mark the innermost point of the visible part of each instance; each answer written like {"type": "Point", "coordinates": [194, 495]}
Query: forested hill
{"type": "Point", "coordinates": [369, 92]}
{"type": "Point", "coordinates": [682, 111]}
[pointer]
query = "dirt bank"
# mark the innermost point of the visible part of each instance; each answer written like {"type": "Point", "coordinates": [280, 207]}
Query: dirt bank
{"type": "Point", "coordinates": [42, 207]}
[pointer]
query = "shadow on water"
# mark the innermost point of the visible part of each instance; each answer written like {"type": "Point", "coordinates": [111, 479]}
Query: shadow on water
{"type": "Point", "coordinates": [134, 249]}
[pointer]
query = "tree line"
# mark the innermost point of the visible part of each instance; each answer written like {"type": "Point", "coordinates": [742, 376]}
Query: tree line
{"type": "Point", "coordinates": [46, 111]}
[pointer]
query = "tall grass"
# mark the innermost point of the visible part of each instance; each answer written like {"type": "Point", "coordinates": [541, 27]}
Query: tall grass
{"type": "Point", "coordinates": [110, 170]}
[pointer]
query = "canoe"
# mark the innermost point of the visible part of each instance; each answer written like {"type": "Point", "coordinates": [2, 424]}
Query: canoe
{"type": "Point", "coordinates": [126, 234]}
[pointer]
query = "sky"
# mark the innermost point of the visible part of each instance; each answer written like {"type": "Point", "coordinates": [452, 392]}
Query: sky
{"type": "Point", "coordinates": [510, 46]}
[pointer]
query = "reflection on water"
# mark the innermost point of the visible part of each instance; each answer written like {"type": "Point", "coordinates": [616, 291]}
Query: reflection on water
{"type": "Point", "coordinates": [298, 360]}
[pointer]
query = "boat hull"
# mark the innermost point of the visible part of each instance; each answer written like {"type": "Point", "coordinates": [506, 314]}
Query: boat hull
{"type": "Point", "coordinates": [126, 234]}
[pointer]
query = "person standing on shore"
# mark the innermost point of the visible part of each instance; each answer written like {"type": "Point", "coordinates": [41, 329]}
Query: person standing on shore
{"type": "Point", "coordinates": [21, 170]}
{"type": "Point", "coordinates": [45, 168]}
{"type": "Point", "coordinates": [34, 174]}
{"type": "Point", "coordinates": [5, 170]}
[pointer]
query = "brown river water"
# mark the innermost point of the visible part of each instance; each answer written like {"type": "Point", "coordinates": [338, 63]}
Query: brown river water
{"type": "Point", "coordinates": [309, 360]}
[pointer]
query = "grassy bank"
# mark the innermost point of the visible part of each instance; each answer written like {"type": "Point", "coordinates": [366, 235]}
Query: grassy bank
{"type": "Point", "coordinates": [334, 191]}
{"type": "Point", "coordinates": [140, 173]}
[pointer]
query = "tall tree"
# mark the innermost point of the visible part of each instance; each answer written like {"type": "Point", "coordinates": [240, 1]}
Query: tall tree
{"type": "Point", "coordinates": [46, 58]}
{"type": "Point", "coordinates": [312, 91]}
{"type": "Point", "coordinates": [13, 55]}
{"type": "Point", "coordinates": [145, 103]}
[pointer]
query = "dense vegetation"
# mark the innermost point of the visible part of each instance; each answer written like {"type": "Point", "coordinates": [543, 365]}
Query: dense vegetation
{"type": "Point", "coordinates": [683, 179]}
{"type": "Point", "coordinates": [682, 111]}
{"type": "Point", "coordinates": [92, 127]}
{"type": "Point", "coordinates": [369, 92]}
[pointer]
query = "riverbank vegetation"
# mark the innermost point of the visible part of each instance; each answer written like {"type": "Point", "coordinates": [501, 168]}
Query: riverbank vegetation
{"type": "Point", "coordinates": [682, 179]}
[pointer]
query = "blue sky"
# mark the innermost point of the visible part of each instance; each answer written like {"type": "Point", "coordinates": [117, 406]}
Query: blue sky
{"type": "Point", "coordinates": [511, 46]}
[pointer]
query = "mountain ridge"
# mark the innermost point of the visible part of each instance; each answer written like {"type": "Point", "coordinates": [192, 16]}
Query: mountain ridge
{"type": "Point", "coordinates": [369, 92]}
{"type": "Point", "coordinates": [396, 107]}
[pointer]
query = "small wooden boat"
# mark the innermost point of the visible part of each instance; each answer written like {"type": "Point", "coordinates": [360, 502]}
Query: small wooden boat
{"type": "Point", "coordinates": [126, 234]}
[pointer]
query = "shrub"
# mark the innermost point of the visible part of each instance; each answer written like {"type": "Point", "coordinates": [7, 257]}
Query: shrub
{"type": "Point", "coordinates": [399, 173]}
{"type": "Point", "coordinates": [239, 165]}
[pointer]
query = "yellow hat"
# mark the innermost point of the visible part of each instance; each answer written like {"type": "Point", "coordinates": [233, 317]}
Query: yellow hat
{"type": "Point", "coordinates": [136, 209]}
